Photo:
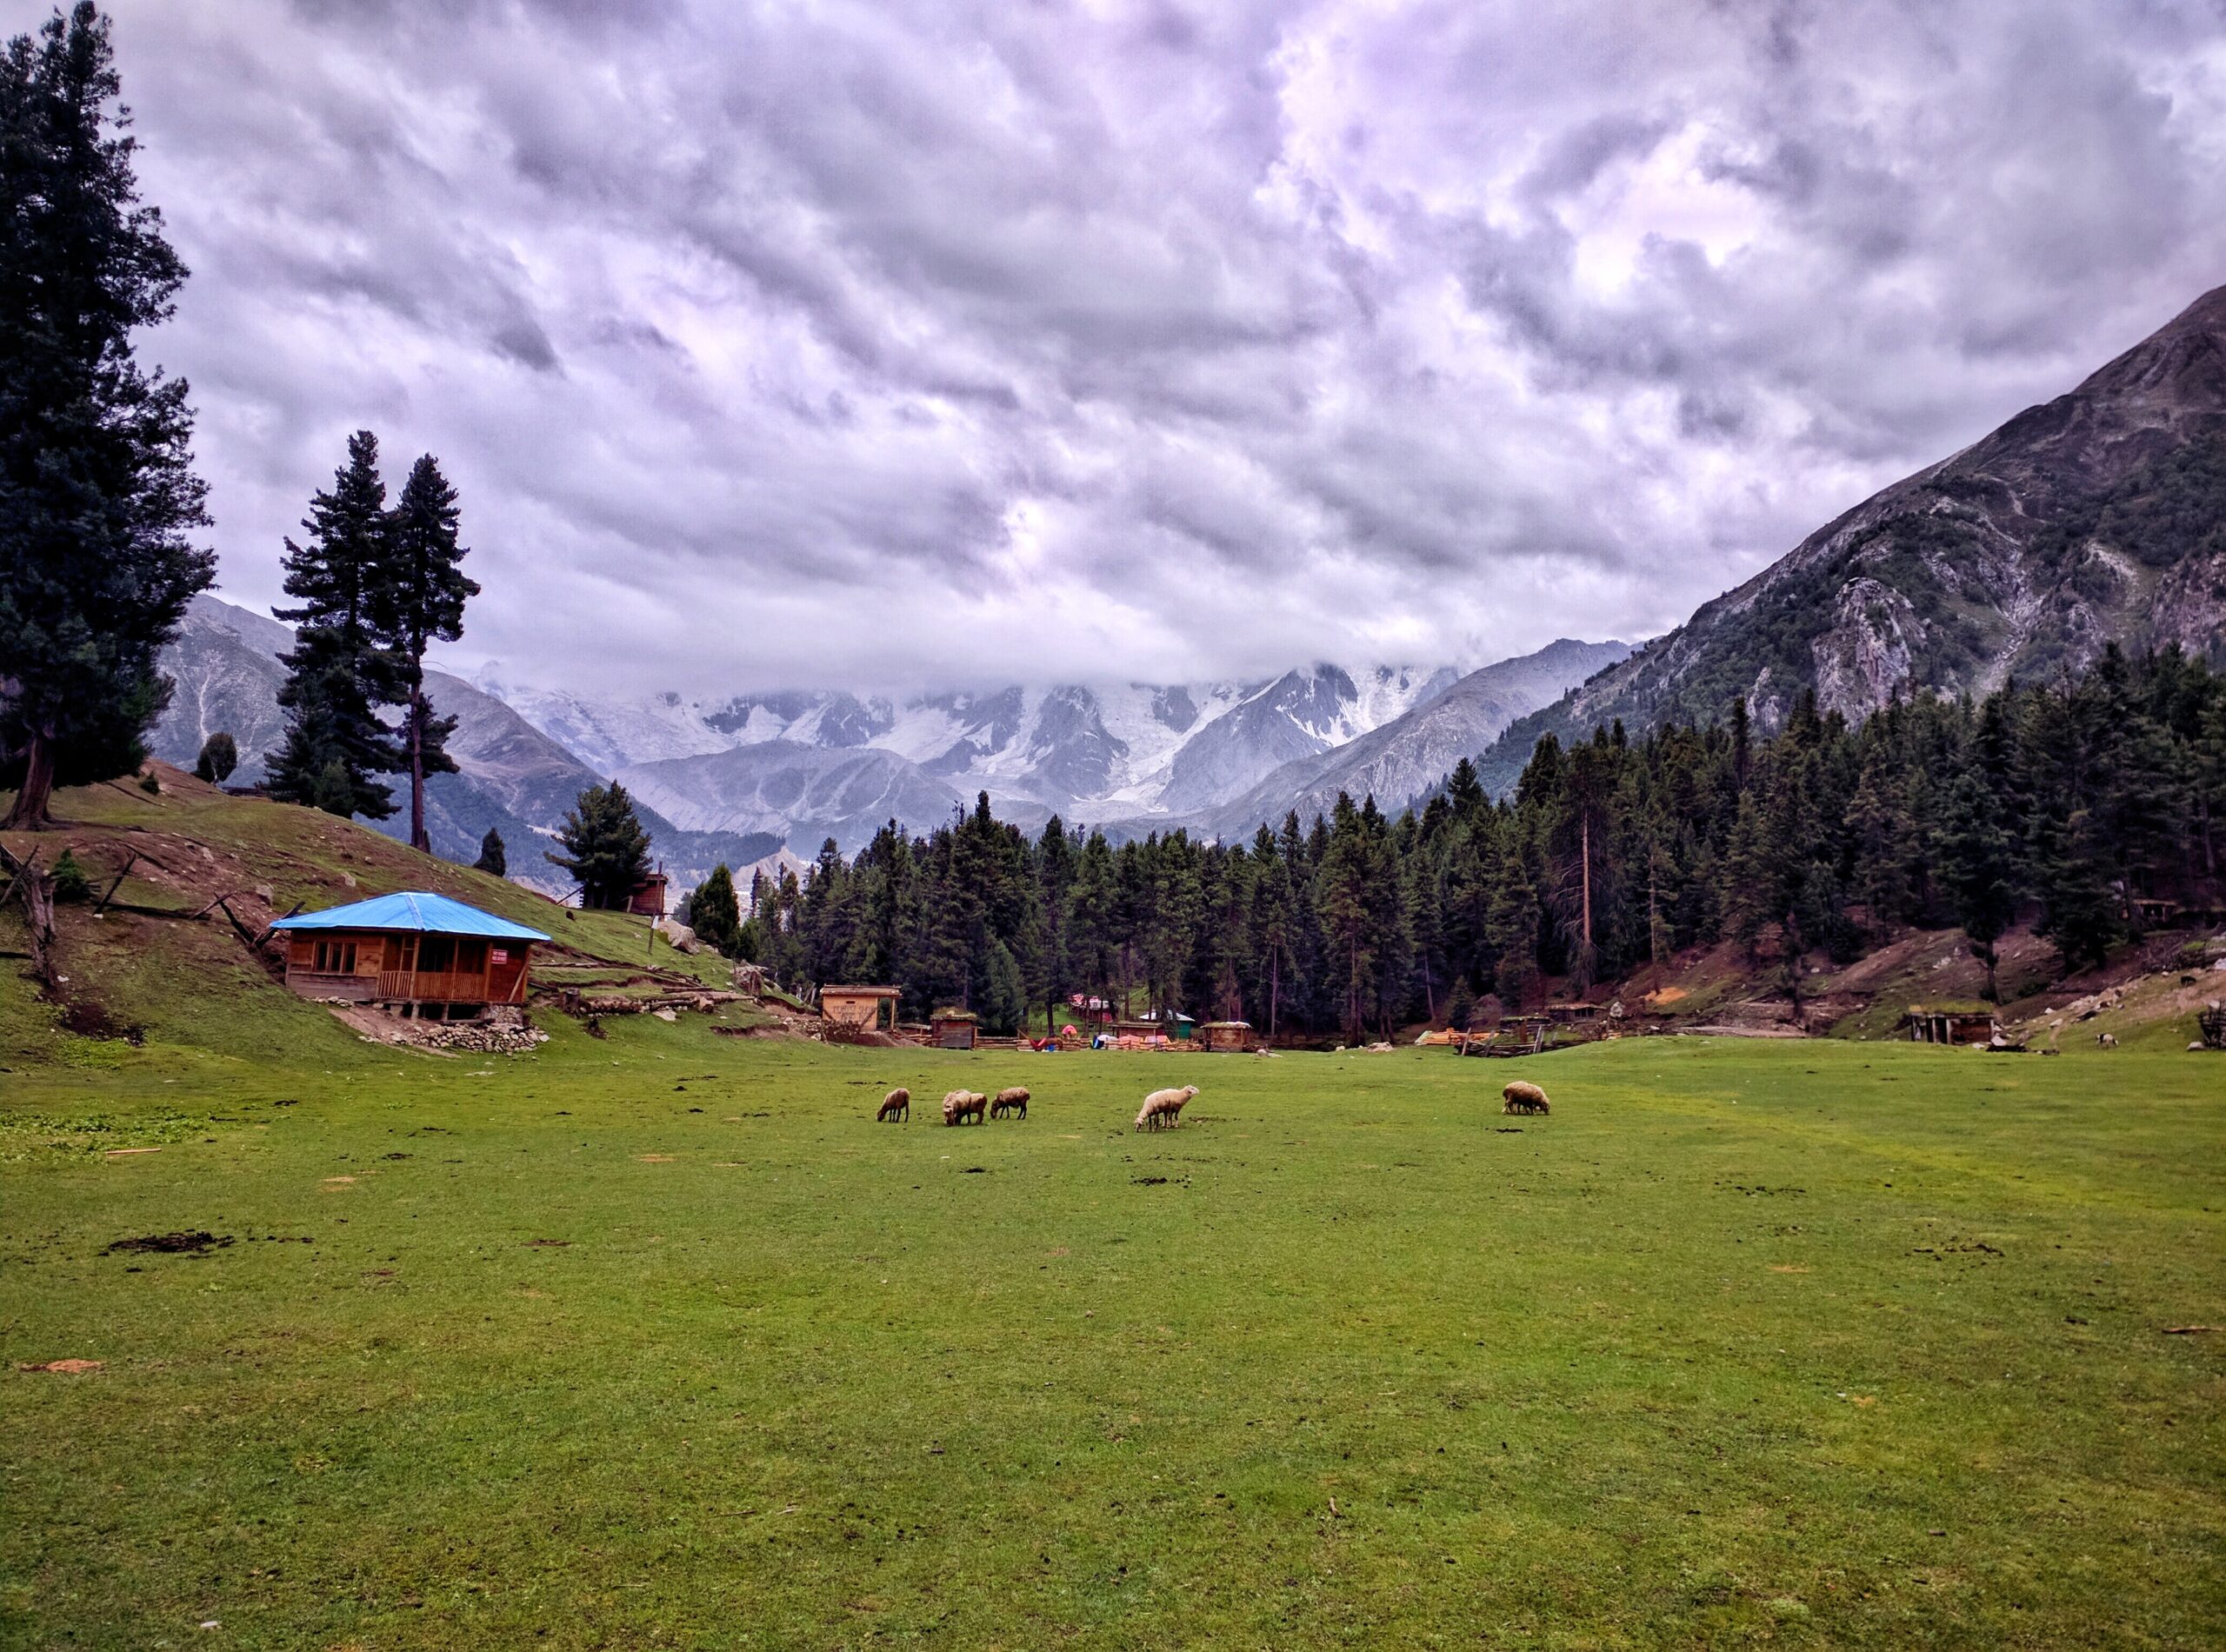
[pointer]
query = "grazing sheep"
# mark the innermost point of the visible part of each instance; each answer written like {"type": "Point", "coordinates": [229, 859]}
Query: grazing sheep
{"type": "Point", "coordinates": [1010, 1101]}
{"type": "Point", "coordinates": [962, 1104]}
{"type": "Point", "coordinates": [2107, 1041]}
{"type": "Point", "coordinates": [1525, 1097]}
{"type": "Point", "coordinates": [897, 1104]}
{"type": "Point", "coordinates": [1163, 1108]}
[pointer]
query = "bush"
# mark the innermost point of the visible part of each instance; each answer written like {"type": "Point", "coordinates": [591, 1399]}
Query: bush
{"type": "Point", "coordinates": [70, 881]}
{"type": "Point", "coordinates": [493, 858]}
{"type": "Point", "coordinates": [220, 755]}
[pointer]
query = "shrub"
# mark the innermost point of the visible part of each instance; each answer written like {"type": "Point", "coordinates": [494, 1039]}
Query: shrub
{"type": "Point", "coordinates": [70, 881]}
{"type": "Point", "coordinates": [220, 755]}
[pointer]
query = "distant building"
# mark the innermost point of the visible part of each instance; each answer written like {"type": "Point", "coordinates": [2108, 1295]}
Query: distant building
{"type": "Point", "coordinates": [1930, 1026]}
{"type": "Point", "coordinates": [953, 1028]}
{"type": "Point", "coordinates": [847, 1011]}
{"type": "Point", "coordinates": [419, 954]}
{"type": "Point", "coordinates": [1227, 1034]}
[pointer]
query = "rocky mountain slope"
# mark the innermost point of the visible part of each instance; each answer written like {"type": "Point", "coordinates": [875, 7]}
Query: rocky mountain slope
{"type": "Point", "coordinates": [1405, 759]}
{"type": "Point", "coordinates": [801, 795]}
{"type": "Point", "coordinates": [2097, 518]}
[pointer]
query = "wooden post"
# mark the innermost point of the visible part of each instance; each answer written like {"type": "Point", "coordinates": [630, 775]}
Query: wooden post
{"type": "Point", "coordinates": [101, 905]}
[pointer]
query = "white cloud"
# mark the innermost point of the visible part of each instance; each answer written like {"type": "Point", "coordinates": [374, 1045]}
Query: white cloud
{"type": "Point", "coordinates": [863, 344]}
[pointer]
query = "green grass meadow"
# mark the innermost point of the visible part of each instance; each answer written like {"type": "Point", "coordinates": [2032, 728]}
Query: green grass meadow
{"type": "Point", "coordinates": [661, 1341]}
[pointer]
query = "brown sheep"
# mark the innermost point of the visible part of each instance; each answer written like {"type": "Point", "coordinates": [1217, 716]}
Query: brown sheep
{"type": "Point", "coordinates": [897, 1104]}
{"type": "Point", "coordinates": [1010, 1101]}
{"type": "Point", "coordinates": [962, 1104]}
{"type": "Point", "coordinates": [1163, 1108]}
{"type": "Point", "coordinates": [1525, 1097]}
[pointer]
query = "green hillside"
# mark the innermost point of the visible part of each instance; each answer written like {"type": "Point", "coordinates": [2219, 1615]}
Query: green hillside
{"type": "Point", "coordinates": [149, 984]}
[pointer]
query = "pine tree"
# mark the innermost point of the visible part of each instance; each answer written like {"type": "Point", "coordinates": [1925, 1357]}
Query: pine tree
{"type": "Point", "coordinates": [340, 670]}
{"type": "Point", "coordinates": [606, 849]}
{"type": "Point", "coordinates": [97, 494]}
{"type": "Point", "coordinates": [492, 855]}
{"type": "Point", "coordinates": [1979, 868]}
{"type": "Point", "coordinates": [714, 913]}
{"type": "Point", "coordinates": [220, 755]}
{"type": "Point", "coordinates": [420, 592]}
{"type": "Point", "coordinates": [1055, 866]}
{"type": "Point", "coordinates": [1342, 897]}
{"type": "Point", "coordinates": [1002, 1000]}
{"type": "Point", "coordinates": [1511, 932]}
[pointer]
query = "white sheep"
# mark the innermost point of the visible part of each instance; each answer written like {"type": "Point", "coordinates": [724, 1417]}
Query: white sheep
{"type": "Point", "coordinates": [1163, 1108]}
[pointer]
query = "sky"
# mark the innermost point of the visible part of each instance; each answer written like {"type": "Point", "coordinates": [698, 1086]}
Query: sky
{"type": "Point", "coordinates": [928, 345]}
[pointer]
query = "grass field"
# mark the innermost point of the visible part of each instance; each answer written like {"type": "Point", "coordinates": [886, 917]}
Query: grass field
{"type": "Point", "coordinates": [659, 1341]}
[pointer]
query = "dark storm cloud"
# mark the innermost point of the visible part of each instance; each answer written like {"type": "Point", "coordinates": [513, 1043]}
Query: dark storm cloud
{"type": "Point", "coordinates": [853, 343]}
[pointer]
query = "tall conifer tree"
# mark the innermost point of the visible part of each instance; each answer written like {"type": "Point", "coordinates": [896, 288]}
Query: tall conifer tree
{"type": "Point", "coordinates": [97, 494]}
{"type": "Point", "coordinates": [420, 594]}
{"type": "Point", "coordinates": [340, 670]}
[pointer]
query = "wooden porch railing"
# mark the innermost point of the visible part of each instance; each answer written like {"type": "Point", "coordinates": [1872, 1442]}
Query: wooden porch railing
{"type": "Point", "coordinates": [433, 986]}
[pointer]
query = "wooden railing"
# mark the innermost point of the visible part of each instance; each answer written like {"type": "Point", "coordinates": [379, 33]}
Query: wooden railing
{"type": "Point", "coordinates": [434, 986]}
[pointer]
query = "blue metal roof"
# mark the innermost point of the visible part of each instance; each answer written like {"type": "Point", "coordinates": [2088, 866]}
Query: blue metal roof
{"type": "Point", "coordinates": [413, 910]}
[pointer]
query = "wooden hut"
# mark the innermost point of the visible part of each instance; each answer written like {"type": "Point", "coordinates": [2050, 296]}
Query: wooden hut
{"type": "Point", "coordinates": [419, 954]}
{"type": "Point", "coordinates": [847, 1011]}
{"type": "Point", "coordinates": [1930, 1026]}
{"type": "Point", "coordinates": [953, 1028]}
{"type": "Point", "coordinates": [1227, 1034]}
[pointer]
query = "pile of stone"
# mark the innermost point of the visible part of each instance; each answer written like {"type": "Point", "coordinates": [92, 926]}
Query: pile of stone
{"type": "Point", "coordinates": [486, 1039]}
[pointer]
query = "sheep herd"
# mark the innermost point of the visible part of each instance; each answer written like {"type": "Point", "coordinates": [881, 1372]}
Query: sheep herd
{"type": "Point", "coordinates": [1163, 1108]}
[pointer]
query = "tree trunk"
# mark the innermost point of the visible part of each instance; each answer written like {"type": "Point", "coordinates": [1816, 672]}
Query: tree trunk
{"type": "Point", "coordinates": [28, 813]}
{"type": "Point", "coordinates": [1584, 860]}
{"type": "Point", "coordinates": [1275, 987]}
{"type": "Point", "coordinates": [1652, 911]}
{"type": "Point", "coordinates": [37, 889]}
{"type": "Point", "coordinates": [418, 840]}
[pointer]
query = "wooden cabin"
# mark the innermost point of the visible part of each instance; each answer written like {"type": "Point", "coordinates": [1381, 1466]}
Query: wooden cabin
{"type": "Point", "coordinates": [1929, 1026]}
{"type": "Point", "coordinates": [847, 1011]}
{"type": "Point", "coordinates": [420, 955]}
{"type": "Point", "coordinates": [1227, 1034]}
{"type": "Point", "coordinates": [953, 1028]}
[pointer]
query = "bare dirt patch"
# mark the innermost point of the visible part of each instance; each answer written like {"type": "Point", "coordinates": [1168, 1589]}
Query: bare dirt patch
{"type": "Point", "coordinates": [198, 1242]}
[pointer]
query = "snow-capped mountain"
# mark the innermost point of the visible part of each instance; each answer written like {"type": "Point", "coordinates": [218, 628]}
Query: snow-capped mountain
{"type": "Point", "coordinates": [741, 777]}
{"type": "Point", "coordinates": [1084, 752]}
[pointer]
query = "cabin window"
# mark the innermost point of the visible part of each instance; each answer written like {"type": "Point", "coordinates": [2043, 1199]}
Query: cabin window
{"type": "Point", "coordinates": [334, 958]}
{"type": "Point", "coordinates": [436, 952]}
{"type": "Point", "coordinates": [398, 950]}
{"type": "Point", "coordinates": [471, 957]}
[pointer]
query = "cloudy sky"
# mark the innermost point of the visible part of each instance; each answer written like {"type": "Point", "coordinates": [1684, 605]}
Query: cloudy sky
{"type": "Point", "coordinates": [886, 345]}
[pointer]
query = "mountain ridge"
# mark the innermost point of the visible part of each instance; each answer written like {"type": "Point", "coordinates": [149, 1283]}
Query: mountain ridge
{"type": "Point", "coordinates": [2096, 518]}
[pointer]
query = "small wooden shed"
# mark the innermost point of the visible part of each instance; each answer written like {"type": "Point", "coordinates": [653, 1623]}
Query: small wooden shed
{"type": "Point", "coordinates": [859, 1009]}
{"type": "Point", "coordinates": [1926, 1025]}
{"type": "Point", "coordinates": [1227, 1034]}
{"type": "Point", "coordinates": [420, 954]}
{"type": "Point", "coordinates": [953, 1028]}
